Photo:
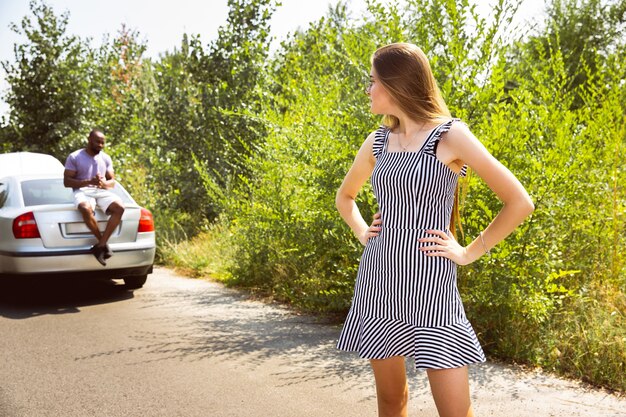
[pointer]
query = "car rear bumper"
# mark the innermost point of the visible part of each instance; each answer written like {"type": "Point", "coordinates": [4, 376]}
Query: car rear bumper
{"type": "Point", "coordinates": [101, 274]}
{"type": "Point", "coordinates": [128, 262]}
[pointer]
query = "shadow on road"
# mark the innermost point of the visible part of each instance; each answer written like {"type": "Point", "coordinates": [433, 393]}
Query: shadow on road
{"type": "Point", "coordinates": [22, 298]}
{"type": "Point", "coordinates": [214, 323]}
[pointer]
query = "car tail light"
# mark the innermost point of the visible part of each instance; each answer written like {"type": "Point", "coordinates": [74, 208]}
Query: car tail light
{"type": "Point", "coordinates": [146, 222]}
{"type": "Point", "coordinates": [25, 226]}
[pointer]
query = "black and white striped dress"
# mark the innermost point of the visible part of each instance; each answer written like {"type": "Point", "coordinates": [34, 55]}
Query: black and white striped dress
{"type": "Point", "coordinates": [406, 303]}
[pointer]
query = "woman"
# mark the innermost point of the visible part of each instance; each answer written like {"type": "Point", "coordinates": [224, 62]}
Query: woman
{"type": "Point", "coordinates": [406, 302]}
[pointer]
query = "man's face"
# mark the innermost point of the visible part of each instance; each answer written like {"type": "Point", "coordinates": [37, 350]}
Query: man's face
{"type": "Point", "coordinates": [96, 142]}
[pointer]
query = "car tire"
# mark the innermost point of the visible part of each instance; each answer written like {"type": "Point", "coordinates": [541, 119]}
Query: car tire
{"type": "Point", "coordinates": [134, 282]}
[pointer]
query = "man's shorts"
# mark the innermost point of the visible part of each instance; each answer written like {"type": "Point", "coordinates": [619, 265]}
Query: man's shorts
{"type": "Point", "coordinates": [96, 197]}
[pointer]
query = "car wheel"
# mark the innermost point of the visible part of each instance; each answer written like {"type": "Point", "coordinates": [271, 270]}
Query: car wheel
{"type": "Point", "coordinates": [135, 281]}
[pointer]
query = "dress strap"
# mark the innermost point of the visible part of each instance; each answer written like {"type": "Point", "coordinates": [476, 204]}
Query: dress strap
{"type": "Point", "coordinates": [439, 131]}
{"type": "Point", "coordinates": [431, 147]}
{"type": "Point", "coordinates": [380, 137]}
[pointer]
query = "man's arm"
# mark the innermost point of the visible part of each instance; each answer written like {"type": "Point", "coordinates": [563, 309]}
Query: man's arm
{"type": "Point", "coordinates": [71, 182]}
{"type": "Point", "coordinates": [108, 182]}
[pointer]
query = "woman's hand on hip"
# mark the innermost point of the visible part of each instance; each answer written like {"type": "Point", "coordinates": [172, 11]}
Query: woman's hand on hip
{"type": "Point", "coordinates": [445, 246]}
{"type": "Point", "coordinates": [373, 230]}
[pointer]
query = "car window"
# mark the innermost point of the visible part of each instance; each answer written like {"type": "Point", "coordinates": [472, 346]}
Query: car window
{"type": "Point", "coordinates": [4, 193]}
{"type": "Point", "coordinates": [52, 191]}
{"type": "Point", "coordinates": [46, 191]}
{"type": "Point", "coordinates": [123, 194]}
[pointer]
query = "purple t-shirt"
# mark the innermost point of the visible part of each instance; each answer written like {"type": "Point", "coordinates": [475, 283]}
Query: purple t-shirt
{"type": "Point", "coordinates": [87, 166]}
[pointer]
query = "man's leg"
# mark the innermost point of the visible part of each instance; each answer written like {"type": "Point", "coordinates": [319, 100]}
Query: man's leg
{"type": "Point", "coordinates": [89, 219]}
{"type": "Point", "coordinates": [92, 224]}
{"type": "Point", "coordinates": [115, 211]}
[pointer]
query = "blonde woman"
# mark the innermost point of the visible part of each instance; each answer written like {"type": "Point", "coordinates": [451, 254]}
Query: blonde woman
{"type": "Point", "coordinates": [406, 302]}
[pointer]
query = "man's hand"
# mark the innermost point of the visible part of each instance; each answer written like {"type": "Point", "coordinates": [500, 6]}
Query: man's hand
{"type": "Point", "coordinates": [98, 181]}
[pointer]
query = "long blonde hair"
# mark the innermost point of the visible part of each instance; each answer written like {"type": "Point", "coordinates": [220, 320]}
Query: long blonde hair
{"type": "Point", "coordinates": [404, 71]}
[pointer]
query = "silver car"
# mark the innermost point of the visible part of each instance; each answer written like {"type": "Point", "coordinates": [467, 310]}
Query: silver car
{"type": "Point", "coordinates": [42, 233]}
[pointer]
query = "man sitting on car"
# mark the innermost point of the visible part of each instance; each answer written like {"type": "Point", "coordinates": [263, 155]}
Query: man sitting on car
{"type": "Point", "coordinates": [89, 171]}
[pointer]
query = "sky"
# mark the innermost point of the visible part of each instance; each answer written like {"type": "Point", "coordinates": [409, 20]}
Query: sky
{"type": "Point", "coordinates": [162, 23]}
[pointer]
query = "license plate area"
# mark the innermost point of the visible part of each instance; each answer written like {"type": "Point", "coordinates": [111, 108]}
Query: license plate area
{"type": "Point", "coordinates": [79, 229]}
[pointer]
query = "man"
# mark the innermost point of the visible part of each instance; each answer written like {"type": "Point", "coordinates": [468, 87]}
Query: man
{"type": "Point", "coordinates": [89, 172]}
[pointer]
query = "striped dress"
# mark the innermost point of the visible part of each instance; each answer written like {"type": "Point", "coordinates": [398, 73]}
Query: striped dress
{"type": "Point", "coordinates": [406, 303]}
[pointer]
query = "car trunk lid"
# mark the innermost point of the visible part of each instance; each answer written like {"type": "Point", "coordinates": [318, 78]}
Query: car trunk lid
{"type": "Point", "coordinates": [62, 226]}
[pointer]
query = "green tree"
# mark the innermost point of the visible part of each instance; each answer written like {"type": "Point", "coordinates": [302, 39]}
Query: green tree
{"type": "Point", "coordinates": [217, 89]}
{"type": "Point", "coordinates": [178, 119]}
{"type": "Point", "coordinates": [47, 84]}
{"type": "Point", "coordinates": [122, 93]}
{"type": "Point", "coordinates": [585, 32]}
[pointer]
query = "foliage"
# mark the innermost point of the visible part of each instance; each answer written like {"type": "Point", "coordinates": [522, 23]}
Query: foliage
{"type": "Point", "coordinates": [213, 88]}
{"type": "Point", "coordinates": [539, 272]}
{"type": "Point", "coordinates": [48, 82]}
{"type": "Point", "coordinates": [190, 256]}
{"type": "Point", "coordinates": [586, 33]}
{"type": "Point", "coordinates": [122, 95]}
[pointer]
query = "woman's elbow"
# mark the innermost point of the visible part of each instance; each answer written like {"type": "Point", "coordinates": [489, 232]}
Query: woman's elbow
{"type": "Point", "coordinates": [522, 205]}
{"type": "Point", "coordinates": [340, 199]}
{"type": "Point", "coordinates": [529, 206]}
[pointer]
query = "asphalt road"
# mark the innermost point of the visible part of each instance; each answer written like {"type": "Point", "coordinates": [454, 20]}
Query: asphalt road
{"type": "Point", "coordinates": [183, 347]}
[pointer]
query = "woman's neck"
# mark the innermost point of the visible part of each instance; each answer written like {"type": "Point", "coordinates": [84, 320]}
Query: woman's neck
{"type": "Point", "coordinates": [409, 127]}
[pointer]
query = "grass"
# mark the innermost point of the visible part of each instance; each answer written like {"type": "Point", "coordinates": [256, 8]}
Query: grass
{"type": "Point", "coordinates": [202, 256]}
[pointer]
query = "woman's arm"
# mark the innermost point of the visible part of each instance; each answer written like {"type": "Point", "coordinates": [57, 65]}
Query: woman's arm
{"type": "Point", "coordinates": [360, 171]}
{"type": "Point", "coordinates": [460, 144]}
